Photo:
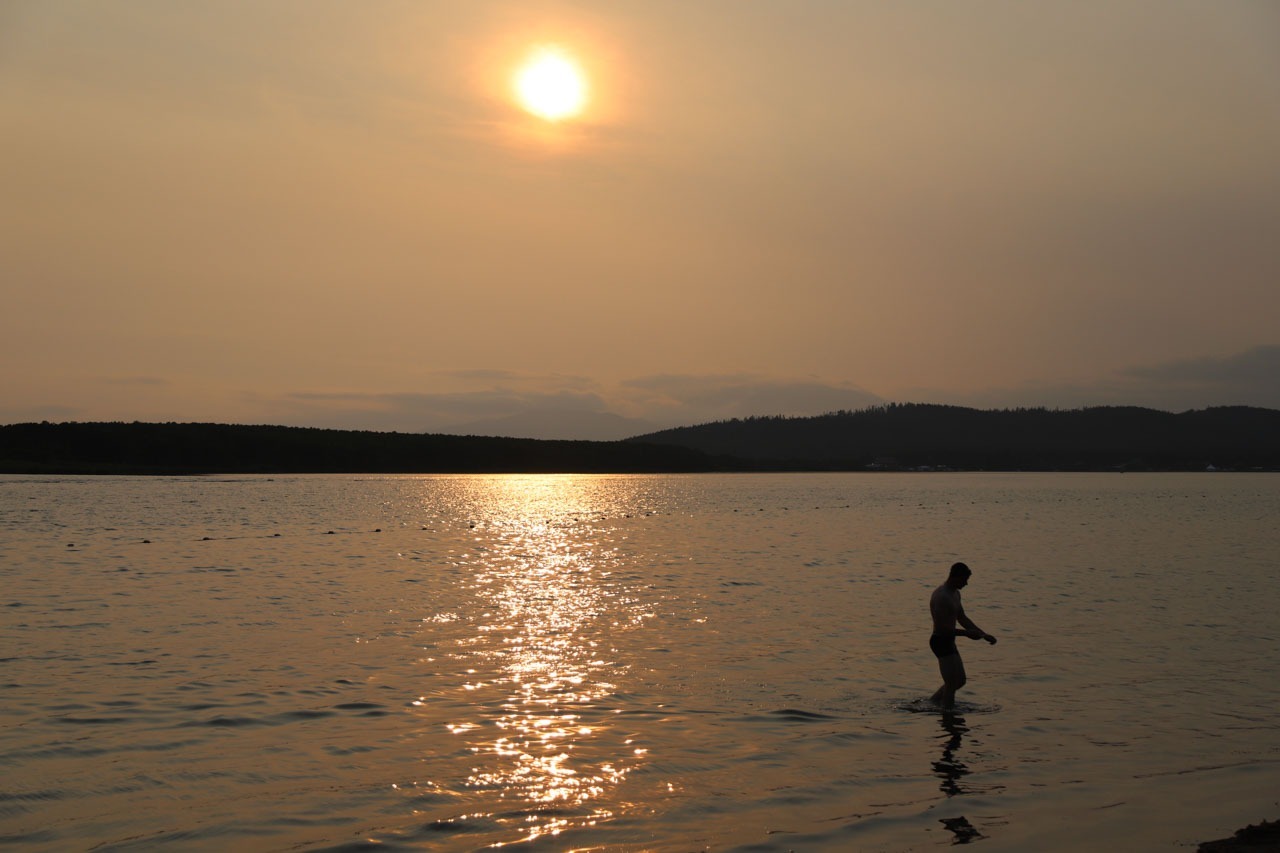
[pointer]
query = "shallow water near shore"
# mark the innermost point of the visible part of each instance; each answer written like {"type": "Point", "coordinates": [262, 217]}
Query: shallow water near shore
{"type": "Point", "coordinates": [635, 662]}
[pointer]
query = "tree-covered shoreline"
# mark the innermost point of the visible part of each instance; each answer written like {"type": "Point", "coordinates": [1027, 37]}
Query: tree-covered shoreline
{"type": "Point", "coordinates": [915, 435]}
{"type": "Point", "coordinates": [892, 437]}
{"type": "Point", "coordinates": [199, 448]}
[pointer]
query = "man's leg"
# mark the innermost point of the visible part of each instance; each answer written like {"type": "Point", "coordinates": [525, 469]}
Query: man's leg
{"type": "Point", "coordinates": [953, 678]}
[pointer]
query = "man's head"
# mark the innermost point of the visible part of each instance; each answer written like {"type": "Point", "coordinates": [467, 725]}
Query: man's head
{"type": "Point", "coordinates": [959, 576]}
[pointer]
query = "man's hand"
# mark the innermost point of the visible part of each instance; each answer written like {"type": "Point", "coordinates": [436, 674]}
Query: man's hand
{"type": "Point", "coordinates": [990, 639]}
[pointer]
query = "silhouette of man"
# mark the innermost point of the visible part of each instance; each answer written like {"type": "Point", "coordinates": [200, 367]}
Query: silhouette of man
{"type": "Point", "coordinates": [945, 607]}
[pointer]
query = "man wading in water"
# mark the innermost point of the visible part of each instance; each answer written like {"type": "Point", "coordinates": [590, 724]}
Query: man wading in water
{"type": "Point", "coordinates": [946, 609]}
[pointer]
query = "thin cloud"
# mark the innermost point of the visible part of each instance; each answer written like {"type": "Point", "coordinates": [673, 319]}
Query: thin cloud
{"type": "Point", "coordinates": [1249, 378]}
{"type": "Point", "coordinates": [1255, 370]}
{"type": "Point", "coordinates": [27, 414]}
{"type": "Point", "coordinates": [698, 398]}
{"type": "Point", "coordinates": [137, 381]}
{"type": "Point", "coordinates": [542, 406]}
{"type": "Point", "coordinates": [434, 412]}
{"type": "Point", "coordinates": [496, 378]}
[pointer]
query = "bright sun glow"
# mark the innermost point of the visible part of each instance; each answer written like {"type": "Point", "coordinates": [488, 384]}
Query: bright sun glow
{"type": "Point", "coordinates": [551, 85]}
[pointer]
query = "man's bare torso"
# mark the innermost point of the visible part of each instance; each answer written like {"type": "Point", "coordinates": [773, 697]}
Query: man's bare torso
{"type": "Point", "coordinates": [944, 606]}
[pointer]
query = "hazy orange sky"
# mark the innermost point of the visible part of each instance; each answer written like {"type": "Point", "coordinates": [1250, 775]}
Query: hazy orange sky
{"type": "Point", "coordinates": [329, 213]}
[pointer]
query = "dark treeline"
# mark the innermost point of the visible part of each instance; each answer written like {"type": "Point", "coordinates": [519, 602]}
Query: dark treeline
{"type": "Point", "coordinates": [900, 436]}
{"type": "Point", "coordinates": [892, 437]}
{"type": "Point", "coordinates": [145, 448]}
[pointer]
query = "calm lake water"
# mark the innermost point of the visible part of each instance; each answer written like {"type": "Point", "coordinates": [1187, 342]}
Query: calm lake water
{"type": "Point", "coordinates": [635, 662]}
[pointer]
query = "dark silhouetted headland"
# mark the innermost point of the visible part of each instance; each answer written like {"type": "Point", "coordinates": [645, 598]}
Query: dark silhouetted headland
{"type": "Point", "coordinates": [170, 448]}
{"type": "Point", "coordinates": [908, 436]}
{"type": "Point", "coordinates": [892, 437]}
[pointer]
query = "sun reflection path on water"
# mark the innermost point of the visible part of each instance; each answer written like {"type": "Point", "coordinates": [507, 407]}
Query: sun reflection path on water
{"type": "Point", "coordinates": [541, 663]}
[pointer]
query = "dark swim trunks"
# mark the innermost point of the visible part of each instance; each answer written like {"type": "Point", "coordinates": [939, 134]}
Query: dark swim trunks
{"type": "Point", "coordinates": [943, 645]}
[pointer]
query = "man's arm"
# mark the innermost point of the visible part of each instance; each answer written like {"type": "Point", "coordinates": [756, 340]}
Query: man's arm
{"type": "Point", "coordinates": [973, 631]}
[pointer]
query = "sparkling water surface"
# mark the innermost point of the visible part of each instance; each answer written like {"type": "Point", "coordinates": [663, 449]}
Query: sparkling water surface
{"type": "Point", "coordinates": [635, 662]}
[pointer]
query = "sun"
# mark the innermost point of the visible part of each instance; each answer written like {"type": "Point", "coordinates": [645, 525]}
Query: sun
{"type": "Point", "coordinates": [551, 85]}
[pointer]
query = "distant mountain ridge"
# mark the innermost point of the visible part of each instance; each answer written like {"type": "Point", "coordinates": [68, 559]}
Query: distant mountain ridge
{"type": "Point", "coordinates": [912, 435]}
{"type": "Point", "coordinates": [896, 436]}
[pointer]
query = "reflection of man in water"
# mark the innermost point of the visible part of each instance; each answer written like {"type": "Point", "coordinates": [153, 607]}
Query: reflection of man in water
{"type": "Point", "coordinates": [950, 769]}
{"type": "Point", "coordinates": [946, 609]}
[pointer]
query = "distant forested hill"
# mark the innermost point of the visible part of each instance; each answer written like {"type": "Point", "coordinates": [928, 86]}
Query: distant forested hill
{"type": "Point", "coordinates": [142, 448]}
{"type": "Point", "coordinates": [916, 435]}
{"type": "Point", "coordinates": [892, 437]}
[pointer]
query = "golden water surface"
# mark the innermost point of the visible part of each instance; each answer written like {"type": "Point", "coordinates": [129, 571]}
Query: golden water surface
{"type": "Point", "coordinates": [634, 662]}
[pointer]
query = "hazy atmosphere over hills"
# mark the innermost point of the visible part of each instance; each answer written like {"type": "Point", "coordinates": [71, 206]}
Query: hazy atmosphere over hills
{"type": "Point", "coordinates": [356, 215]}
